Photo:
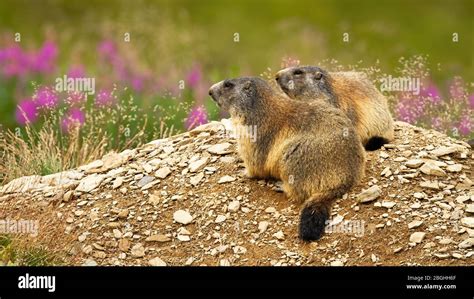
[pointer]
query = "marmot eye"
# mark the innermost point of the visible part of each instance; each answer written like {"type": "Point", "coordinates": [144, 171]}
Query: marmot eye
{"type": "Point", "coordinates": [228, 84]}
{"type": "Point", "coordinates": [318, 75]}
{"type": "Point", "coordinates": [297, 72]}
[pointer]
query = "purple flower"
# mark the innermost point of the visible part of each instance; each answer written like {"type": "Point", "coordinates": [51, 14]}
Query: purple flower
{"type": "Point", "coordinates": [107, 48]}
{"type": "Point", "coordinates": [432, 93]}
{"type": "Point", "coordinates": [76, 71]}
{"type": "Point", "coordinates": [73, 119]}
{"type": "Point", "coordinates": [137, 83]}
{"type": "Point", "coordinates": [104, 98]}
{"type": "Point", "coordinates": [456, 88]}
{"type": "Point", "coordinates": [26, 112]}
{"type": "Point", "coordinates": [16, 62]}
{"type": "Point", "coordinates": [43, 61]}
{"type": "Point", "coordinates": [465, 125]}
{"type": "Point", "coordinates": [194, 76]}
{"type": "Point", "coordinates": [196, 117]}
{"type": "Point", "coordinates": [471, 100]}
{"type": "Point", "coordinates": [46, 98]}
{"type": "Point", "coordinates": [410, 109]}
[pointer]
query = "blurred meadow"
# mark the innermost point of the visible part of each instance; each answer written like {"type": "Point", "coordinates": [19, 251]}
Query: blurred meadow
{"type": "Point", "coordinates": [153, 62]}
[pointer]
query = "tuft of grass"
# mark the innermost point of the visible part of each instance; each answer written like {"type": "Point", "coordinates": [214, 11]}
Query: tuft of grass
{"type": "Point", "coordinates": [45, 148]}
{"type": "Point", "coordinates": [13, 253]}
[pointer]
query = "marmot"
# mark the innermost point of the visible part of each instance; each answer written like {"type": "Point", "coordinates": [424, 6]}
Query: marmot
{"type": "Point", "coordinates": [352, 92]}
{"type": "Point", "coordinates": [313, 149]}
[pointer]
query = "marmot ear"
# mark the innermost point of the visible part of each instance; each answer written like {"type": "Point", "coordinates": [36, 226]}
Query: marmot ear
{"type": "Point", "coordinates": [318, 75]}
{"type": "Point", "coordinates": [247, 85]}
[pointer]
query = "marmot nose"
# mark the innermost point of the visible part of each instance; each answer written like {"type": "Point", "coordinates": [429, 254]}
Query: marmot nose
{"type": "Point", "coordinates": [277, 77]}
{"type": "Point", "coordinates": [210, 92]}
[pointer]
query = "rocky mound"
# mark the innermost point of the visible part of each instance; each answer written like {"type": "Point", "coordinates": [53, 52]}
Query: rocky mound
{"type": "Point", "coordinates": [185, 201]}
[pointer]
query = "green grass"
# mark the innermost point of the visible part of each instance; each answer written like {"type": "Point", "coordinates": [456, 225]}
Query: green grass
{"type": "Point", "coordinates": [13, 255]}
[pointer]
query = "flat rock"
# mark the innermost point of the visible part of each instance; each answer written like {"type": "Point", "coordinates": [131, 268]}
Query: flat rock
{"type": "Point", "coordinates": [195, 180]}
{"type": "Point", "coordinates": [163, 172]}
{"type": "Point", "coordinates": [226, 179]}
{"type": "Point", "coordinates": [198, 165]}
{"type": "Point", "coordinates": [414, 163]}
{"type": "Point", "coordinates": [445, 150]}
{"type": "Point", "coordinates": [430, 168]}
{"type": "Point", "coordinates": [454, 168]}
{"type": "Point", "coordinates": [145, 180]}
{"type": "Point", "coordinates": [182, 217]}
{"type": "Point", "coordinates": [417, 237]}
{"type": "Point", "coordinates": [158, 238]}
{"type": "Point", "coordinates": [233, 206]}
{"type": "Point", "coordinates": [157, 262]}
{"type": "Point", "coordinates": [90, 182]}
{"type": "Point", "coordinates": [138, 250]}
{"type": "Point", "coordinates": [434, 185]}
{"type": "Point", "coordinates": [370, 194]}
{"type": "Point", "coordinates": [220, 149]}
{"type": "Point", "coordinates": [468, 243]}
{"type": "Point", "coordinates": [415, 224]}
{"type": "Point", "coordinates": [468, 221]}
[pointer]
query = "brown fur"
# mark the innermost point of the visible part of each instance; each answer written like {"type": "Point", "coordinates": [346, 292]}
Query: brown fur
{"type": "Point", "coordinates": [293, 144]}
{"type": "Point", "coordinates": [352, 92]}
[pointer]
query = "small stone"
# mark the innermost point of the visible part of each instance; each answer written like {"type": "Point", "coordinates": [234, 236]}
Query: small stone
{"type": "Point", "coordinates": [468, 221]}
{"type": "Point", "coordinates": [430, 168]}
{"type": "Point", "coordinates": [454, 168]}
{"type": "Point", "coordinates": [162, 172]}
{"type": "Point", "coordinates": [224, 263]}
{"type": "Point", "coordinates": [117, 233]}
{"type": "Point", "coordinates": [89, 263]}
{"type": "Point", "coordinates": [158, 238]}
{"type": "Point", "coordinates": [220, 219]}
{"type": "Point", "coordinates": [234, 206]}
{"type": "Point", "coordinates": [388, 204]}
{"type": "Point", "coordinates": [430, 185]}
{"type": "Point", "coordinates": [279, 235]}
{"type": "Point", "coordinates": [138, 250]}
{"type": "Point", "coordinates": [117, 183]}
{"type": "Point", "coordinates": [145, 180]}
{"type": "Point", "coordinates": [468, 243]}
{"type": "Point", "coordinates": [226, 179]}
{"type": "Point", "coordinates": [415, 224]}
{"type": "Point", "coordinates": [68, 196]}
{"type": "Point", "coordinates": [470, 208]}
{"type": "Point", "coordinates": [196, 179]}
{"type": "Point", "coordinates": [90, 182]}
{"type": "Point", "coordinates": [370, 194]}
{"type": "Point", "coordinates": [239, 250]}
{"type": "Point", "coordinates": [337, 263]}
{"type": "Point", "coordinates": [157, 262]}
{"type": "Point", "coordinates": [184, 238]}
{"type": "Point", "coordinates": [417, 237]}
{"type": "Point", "coordinates": [182, 217]}
{"type": "Point", "coordinates": [123, 214]}
{"type": "Point", "coordinates": [270, 210]}
{"type": "Point", "coordinates": [419, 195]}
{"type": "Point", "coordinates": [124, 244]}
{"type": "Point", "coordinates": [220, 149]}
{"type": "Point", "coordinates": [414, 163]}
{"type": "Point", "coordinates": [197, 165]}
{"type": "Point", "coordinates": [262, 226]}
{"type": "Point", "coordinates": [442, 151]}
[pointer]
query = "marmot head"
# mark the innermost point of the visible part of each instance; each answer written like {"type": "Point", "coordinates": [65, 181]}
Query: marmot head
{"type": "Point", "coordinates": [242, 97]}
{"type": "Point", "coordinates": [305, 82]}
